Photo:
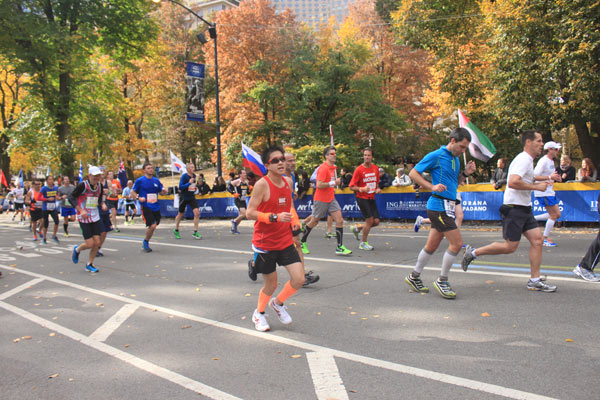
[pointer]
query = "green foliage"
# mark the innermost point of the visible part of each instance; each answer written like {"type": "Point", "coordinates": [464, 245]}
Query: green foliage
{"type": "Point", "coordinates": [311, 156]}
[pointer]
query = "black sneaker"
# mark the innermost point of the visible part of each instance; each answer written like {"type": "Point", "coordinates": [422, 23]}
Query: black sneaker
{"type": "Point", "coordinates": [416, 284]}
{"type": "Point", "coordinates": [251, 271]}
{"type": "Point", "coordinates": [309, 279]}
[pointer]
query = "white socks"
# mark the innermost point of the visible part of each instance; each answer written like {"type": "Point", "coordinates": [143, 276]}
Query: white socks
{"type": "Point", "coordinates": [422, 260]}
{"type": "Point", "coordinates": [549, 225]}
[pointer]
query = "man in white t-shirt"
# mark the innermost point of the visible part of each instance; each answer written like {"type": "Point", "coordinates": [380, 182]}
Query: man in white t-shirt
{"type": "Point", "coordinates": [546, 167]}
{"type": "Point", "coordinates": [517, 217]}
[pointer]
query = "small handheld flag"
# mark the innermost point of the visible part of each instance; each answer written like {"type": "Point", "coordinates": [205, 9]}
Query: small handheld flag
{"type": "Point", "coordinates": [252, 160]}
{"type": "Point", "coordinates": [80, 172]}
{"type": "Point", "coordinates": [122, 175]}
{"type": "Point", "coordinates": [480, 147]}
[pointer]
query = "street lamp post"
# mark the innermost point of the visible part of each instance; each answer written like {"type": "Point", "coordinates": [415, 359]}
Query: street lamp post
{"type": "Point", "coordinates": [212, 31]}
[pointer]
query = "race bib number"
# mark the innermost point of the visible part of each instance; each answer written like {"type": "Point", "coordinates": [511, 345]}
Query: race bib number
{"type": "Point", "coordinates": [372, 186]}
{"type": "Point", "coordinates": [91, 202]}
{"type": "Point", "coordinates": [151, 198]}
{"type": "Point", "coordinates": [50, 206]}
{"type": "Point", "coordinates": [192, 187]}
{"type": "Point", "coordinates": [449, 206]}
{"type": "Point", "coordinates": [39, 204]}
{"type": "Point", "coordinates": [244, 192]}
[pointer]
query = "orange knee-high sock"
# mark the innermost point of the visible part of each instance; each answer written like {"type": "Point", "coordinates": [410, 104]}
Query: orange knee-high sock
{"type": "Point", "coordinates": [286, 292]}
{"type": "Point", "coordinates": [263, 299]}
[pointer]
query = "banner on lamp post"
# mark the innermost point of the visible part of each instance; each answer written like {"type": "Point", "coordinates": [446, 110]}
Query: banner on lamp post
{"type": "Point", "coordinates": [194, 98]}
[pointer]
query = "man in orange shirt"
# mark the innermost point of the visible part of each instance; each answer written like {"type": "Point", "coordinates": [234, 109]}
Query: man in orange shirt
{"type": "Point", "coordinates": [365, 183]}
{"type": "Point", "coordinates": [325, 202]}
{"type": "Point", "coordinates": [112, 198]}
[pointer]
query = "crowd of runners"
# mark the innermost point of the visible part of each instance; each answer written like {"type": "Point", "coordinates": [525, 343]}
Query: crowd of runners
{"type": "Point", "coordinates": [281, 238]}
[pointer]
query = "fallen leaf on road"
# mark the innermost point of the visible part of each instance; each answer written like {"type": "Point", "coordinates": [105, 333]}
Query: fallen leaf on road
{"type": "Point", "coordinates": [352, 312]}
{"type": "Point", "coordinates": [366, 293]}
{"type": "Point", "coordinates": [26, 337]}
{"type": "Point", "coordinates": [186, 326]}
{"type": "Point", "coordinates": [369, 266]}
{"type": "Point", "coordinates": [296, 356]}
{"type": "Point", "coordinates": [375, 279]}
{"type": "Point", "coordinates": [248, 295]}
{"type": "Point", "coordinates": [99, 304]}
{"type": "Point", "coordinates": [244, 317]}
{"type": "Point", "coordinates": [568, 340]}
{"type": "Point", "coordinates": [485, 314]}
{"type": "Point", "coordinates": [197, 289]}
{"type": "Point", "coordinates": [318, 312]}
{"type": "Point", "coordinates": [216, 358]}
{"type": "Point", "coordinates": [71, 379]}
{"type": "Point", "coordinates": [363, 318]}
{"type": "Point", "coordinates": [12, 265]}
{"type": "Point", "coordinates": [53, 376]}
{"type": "Point", "coordinates": [126, 345]}
{"type": "Point", "coordinates": [52, 334]}
{"type": "Point", "coordinates": [17, 340]}
{"type": "Point", "coordinates": [489, 282]}
{"type": "Point", "coordinates": [133, 295]}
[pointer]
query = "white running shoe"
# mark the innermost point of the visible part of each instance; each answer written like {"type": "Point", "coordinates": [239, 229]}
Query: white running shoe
{"type": "Point", "coordinates": [585, 274]}
{"type": "Point", "coordinates": [281, 311]}
{"type": "Point", "coordinates": [418, 223]}
{"type": "Point", "coordinates": [260, 322]}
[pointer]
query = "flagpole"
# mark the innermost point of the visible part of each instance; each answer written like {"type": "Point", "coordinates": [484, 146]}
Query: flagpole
{"type": "Point", "coordinates": [465, 158]}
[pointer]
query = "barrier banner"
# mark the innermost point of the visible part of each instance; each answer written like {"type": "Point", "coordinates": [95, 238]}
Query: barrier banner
{"type": "Point", "coordinates": [578, 202]}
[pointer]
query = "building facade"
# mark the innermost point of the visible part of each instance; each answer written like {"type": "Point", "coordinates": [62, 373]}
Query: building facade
{"type": "Point", "coordinates": [313, 12]}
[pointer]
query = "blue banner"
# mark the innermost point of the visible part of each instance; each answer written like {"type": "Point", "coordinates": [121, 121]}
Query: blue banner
{"type": "Point", "coordinates": [578, 202]}
{"type": "Point", "coordinates": [194, 91]}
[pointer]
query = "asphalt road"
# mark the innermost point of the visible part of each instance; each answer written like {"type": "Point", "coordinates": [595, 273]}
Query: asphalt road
{"type": "Point", "coordinates": [176, 323]}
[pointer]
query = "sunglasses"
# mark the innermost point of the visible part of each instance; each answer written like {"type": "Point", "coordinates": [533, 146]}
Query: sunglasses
{"type": "Point", "coordinates": [276, 160]}
{"type": "Point", "coordinates": [331, 154]}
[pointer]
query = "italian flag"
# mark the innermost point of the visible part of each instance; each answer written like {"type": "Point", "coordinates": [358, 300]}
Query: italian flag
{"type": "Point", "coordinates": [481, 147]}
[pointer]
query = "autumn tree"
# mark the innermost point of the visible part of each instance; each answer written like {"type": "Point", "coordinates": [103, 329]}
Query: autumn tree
{"type": "Point", "coordinates": [11, 94]}
{"type": "Point", "coordinates": [53, 42]}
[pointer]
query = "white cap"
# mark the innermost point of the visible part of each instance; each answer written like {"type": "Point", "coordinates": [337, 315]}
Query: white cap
{"type": "Point", "coordinates": [94, 171]}
{"type": "Point", "coordinates": [552, 145]}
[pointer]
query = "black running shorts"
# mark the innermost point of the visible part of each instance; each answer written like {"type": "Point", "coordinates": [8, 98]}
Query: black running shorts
{"type": "Point", "coordinates": [266, 263]}
{"type": "Point", "coordinates": [368, 208]}
{"type": "Point", "coordinates": [515, 221]}
{"type": "Point", "coordinates": [91, 229]}
{"type": "Point", "coordinates": [150, 217]}
{"type": "Point", "coordinates": [441, 222]}
{"type": "Point", "coordinates": [52, 213]}
{"type": "Point", "coordinates": [183, 203]}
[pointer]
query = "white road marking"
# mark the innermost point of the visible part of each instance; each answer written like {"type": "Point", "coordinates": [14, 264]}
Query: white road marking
{"type": "Point", "coordinates": [20, 288]}
{"type": "Point", "coordinates": [404, 369]}
{"type": "Point", "coordinates": [144, 365]}
{"type": "Point", "coordinates": [326, 376]}
{"type": "Point", "coordinates": [26, 255]}
{"type": "Point", "coordinates": [114, 322]}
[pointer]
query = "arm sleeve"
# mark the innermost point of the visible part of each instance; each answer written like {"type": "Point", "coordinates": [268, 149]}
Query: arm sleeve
{"type": "Point", "coordinates": [184, 182]}
{"type": "Point", "coordinates": [136, 187]}
{"type": "Point", "coordinates": [355, 177]}
{"type": "Point", "coordinates": [427, 162]}
{"type": "Point", "coordinates": [76, 193]}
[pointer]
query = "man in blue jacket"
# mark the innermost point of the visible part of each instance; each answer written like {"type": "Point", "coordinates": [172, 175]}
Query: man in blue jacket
{"type": "Point", "coordinates": [146, 190]}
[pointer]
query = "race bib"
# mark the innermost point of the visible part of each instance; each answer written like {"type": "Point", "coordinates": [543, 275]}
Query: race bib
{"type": "Point", "coordinates": [449, 206]}
{"type": "Point", "coordinates": [372, 186]}
{"type": "Point", "coordinates": [50, 206]}
{"type": "Point", "coordinates": [91, 202]}
{"type": "Point", "coordinates": [151, 198]}
{"type": "Point", "coordinates": [244, 192]}
{"type": "Point", "coordinates": [192, 187]}
{"type": "Point", "coordinates": [39, 204]}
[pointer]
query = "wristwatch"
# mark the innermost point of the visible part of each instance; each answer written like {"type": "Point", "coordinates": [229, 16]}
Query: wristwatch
{"type": "Point", "coordinates": [273, 217]}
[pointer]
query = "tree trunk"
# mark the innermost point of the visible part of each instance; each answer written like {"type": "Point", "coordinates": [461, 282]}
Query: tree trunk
{"type": "Point", "coordinates": [4, 156]}
{"type": "Point", "coordinates": [63, 128]}
{"type": "Point", "coordinates": [590, 145]}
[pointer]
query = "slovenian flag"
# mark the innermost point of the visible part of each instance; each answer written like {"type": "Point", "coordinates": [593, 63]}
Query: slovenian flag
{"type": "Point", "coordinates": [480, 147]}
{"type": "Point", "coordinates": [177, 165]}
{"type": "Point", "coordinates": [252, 160]}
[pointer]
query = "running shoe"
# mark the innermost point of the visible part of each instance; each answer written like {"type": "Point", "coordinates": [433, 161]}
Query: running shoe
{"type": "Point", "coordinates": [35, 238]}
{"type": "Point", "coordinates": [44, 240]}
{"type": "Point", "coordinates": [99, 253]}
{"type": "Point", "coordinates": [117, 229]}
{"type": "Point", "coordinates": [234, 226]}
{"type": "Point", "coordinates": [467, 258]}
{"type": "Point", "coordinates": [329, 235]}
{"type": "Point", "coordinates": [418, 223]}
{"type": "Point", "coordinates": [540, 286]}
{"type": "Point", "coordinates": [281, 311]}
{"type": "Point", "coordinates": [444, 288]}
{"type": "Point", "coordinates": [549, 243]}
{"type": "Point", "coordinates": [302, 226]}
{"type": "Point", "coordinates": [585, 274]}
{"type": "Point", "coordinates": [66, 234]}
{"type": "Point", "coordinates": [197, 235]}
{"type": "Point", "coordinates": [176, 233]}
{"type": "Point", "coordinates": [309, 279]}
{"type": "Point", "coordinates": [91, 268]}
{"type": "Point", "coordinates": [75, 255]}
{"type": "Point", "coordinates": [365, 246]}
{"type": "Point", "coordinates": [304, 248]}
{"type": "Point", "coordinates": [251, 271]}
{"type": "Point", "coordinates": [355, 231]}
{"type": "Point", "coordinates": [416, 284]}
{"type": "Point", "coordinates": [146, 246]}
{"type": "Point", "coordinates": [260, 322]}
{"type": "Point", "coordinates": [55, 238]}
{"type": "Point", "coordinates": [342, 251]}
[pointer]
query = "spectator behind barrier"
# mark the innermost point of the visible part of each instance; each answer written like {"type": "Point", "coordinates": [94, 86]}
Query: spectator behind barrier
{"type": "Point", "coordinates": [385, 179]}
{"type": "Point", "coordinates": [401, 178]}
{"type": "Point", "coordinates": [587, 172]}
{"type": "Point", "coordinates": [219, 185]}
{"type": "Point", "coordinates": [500, 174]}
{"type": "Point", "coordinates": [566, 171]}
{"type": "Point", "coordinates": [346, 177]}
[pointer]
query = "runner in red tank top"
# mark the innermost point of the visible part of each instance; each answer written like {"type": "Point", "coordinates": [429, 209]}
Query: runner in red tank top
{"type": "Point", "coordinates": [272, 207]}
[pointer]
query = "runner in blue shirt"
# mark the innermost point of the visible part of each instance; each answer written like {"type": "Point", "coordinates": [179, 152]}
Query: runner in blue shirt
{"type": "Point", "coordinates": [49, 208]}
{"type": "Point", "coordinates": [444, 166]}
{"type": "Point", "coordinates": [187, 197]}
{"type": "Point", "coordinates": [146, 189]}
